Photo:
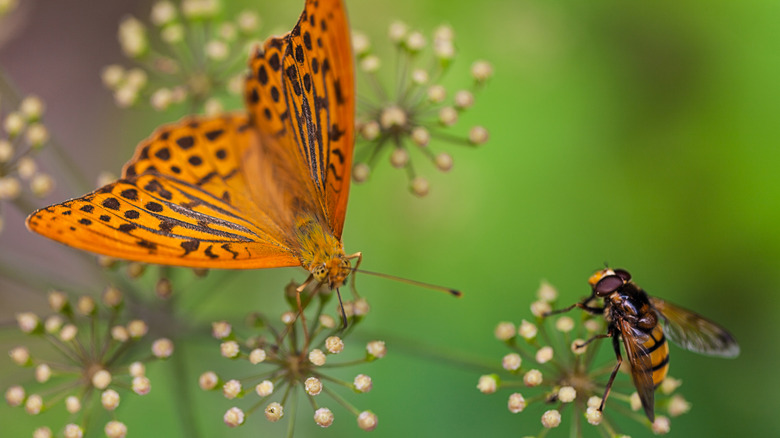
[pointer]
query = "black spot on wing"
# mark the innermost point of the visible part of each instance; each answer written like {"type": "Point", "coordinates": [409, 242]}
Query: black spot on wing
{"type": "Point", "coordinates": [226, 247]}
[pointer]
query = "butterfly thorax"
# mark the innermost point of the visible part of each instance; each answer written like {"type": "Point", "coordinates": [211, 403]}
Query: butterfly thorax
{"type": "Point", "coordinates": [321, 253]}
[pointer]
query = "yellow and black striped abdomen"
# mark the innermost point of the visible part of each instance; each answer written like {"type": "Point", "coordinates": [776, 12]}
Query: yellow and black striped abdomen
{"type": "Point", "coordinates": [658, 349]}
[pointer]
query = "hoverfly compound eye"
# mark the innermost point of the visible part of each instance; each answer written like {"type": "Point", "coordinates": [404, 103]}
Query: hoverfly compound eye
{"type": "Point", "coordinates": [608, 284]}
{"type": "Point", "coordinates": [622, 273]}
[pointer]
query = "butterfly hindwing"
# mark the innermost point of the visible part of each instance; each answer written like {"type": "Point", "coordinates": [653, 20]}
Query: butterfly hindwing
{"type": "Point", "coordinates": [300, 91]}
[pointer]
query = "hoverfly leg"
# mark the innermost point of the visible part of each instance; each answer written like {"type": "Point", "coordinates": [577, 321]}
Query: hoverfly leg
{"type": "Point", "coordinates": [582, 305]}
{"type": "Point", "coordinates": [590, 309]}
{"type": "Point", "coordinates": [559, 311]}
{"type": "Point", "coordinates": [601, 336]}
{"type": "Point", "coordinates": [616, 346]}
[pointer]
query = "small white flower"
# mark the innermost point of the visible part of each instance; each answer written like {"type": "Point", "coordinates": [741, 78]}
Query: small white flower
{"type": "Point", "coordinates": [360, 43]}
{"type": "Point", "coordinates": [72, 404]}
{"type": "Point", "coordinates": [230, 349]}
{"type": "Point", "coordinates": [362, 383]}
{"type": "Point", "coordinates": [661, 425]}
{"type": "Point", "coordinates": [334, 344]}
{"type": "Point", "coordinates": [248, 21]}
{"type": "Point", "coordinates": [397, 31]}
{"type": "Point", "coordinates": [323, 417]}
{"type": "Point", "coordinates": [420, 136]}
{"type": "Point", "coordinates": [208, 380]}
{"type": "Point", "coordinates": [73, 431]}
{"type": "Point", "coordinates": [488, 383]}
{"type": "Point", "coordinates": [516, 403]}
{"type": "Point", "coordinates": [256, 356]}
{"type": "Point", "coordinates": [32, 107]}
{"type": "Point", "coordinates": [132, 37]}
{"type": "Point", "coordinates": [109, 399]}
{"type": "Point", "coordinates": [567, 394]}
{"type": "Point", "coordinates": [376, 349]}
{"type": "Point", "coordinates": [274, 412]}
{"type": "Point", "coordinates": [481, 70]}
{"type": "Point", "coordinates": [101, 379]}
{"type": "Point", "coordinates": [234, 417]}
{"type": "Point", "coordinates": [313, 386]}
{"type": "Point", "coordinates": [478, 135]}
{"type": "Point", "coordinates": [511, 362]}
{"type": "Point", "coordinates": [367, 420]}
{"type": "Point", "coordinates": [265, 388]}
{"type": "Point", "coordinates": [594, 415]}
{"type": "Point", "coordinates": [163, 12]}
{"type": "Point", "coordinates": [415, 41]}
{"type": "Point", "coordinates": [317, 357]}
{"type": "Point", "coordinates": [527, 330]}
{"type": "Point", "coordinates": [115, 429]}
{"type": "Point", "coordinates": [544, 354]}
{"type": "Point", "coordinates": [141, 385]}
{"type": "Point", "coordinates": [551, 419]}
{"type": "Point", "coordinates": [504, 331]}
{"type": "Point", "coordinates": [231, 389]}
{"type": "Point", "coordinates": [533, 378]}
{"type": "Point", "coordinates": [420, 186]}
{"type": "Point", "coordinates": [162, 348]}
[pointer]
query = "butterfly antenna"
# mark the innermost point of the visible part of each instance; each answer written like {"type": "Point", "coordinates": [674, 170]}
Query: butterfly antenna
{"type": "Point", "coordinates": [453, 292]}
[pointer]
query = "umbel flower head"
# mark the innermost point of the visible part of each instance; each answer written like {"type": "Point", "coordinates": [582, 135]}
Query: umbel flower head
{"type": "Point", "coordinates": [93, 357]}
{"type": "Point", "coordinates": [188, 53]}
{"type": "Point", "coordinates": [550, 371]}
{"type": "Point", "coordinates": [294, 358]}
{"type": "Point", "coordinates": [419, 113]}
{"type": "Point", "coordinates": [22, 135]}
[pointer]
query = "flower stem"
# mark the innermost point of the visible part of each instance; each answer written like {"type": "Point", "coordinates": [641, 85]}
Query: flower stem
{"type": "Point", "coordinates": [181, 390]}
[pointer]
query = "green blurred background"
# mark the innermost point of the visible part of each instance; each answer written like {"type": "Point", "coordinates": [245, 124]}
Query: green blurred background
{"type": "Point", "coordinates": [642, 135]}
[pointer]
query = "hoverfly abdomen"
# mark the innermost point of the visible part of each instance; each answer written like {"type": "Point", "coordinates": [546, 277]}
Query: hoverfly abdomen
{"type": "Point", "coordinates": [658, 349]}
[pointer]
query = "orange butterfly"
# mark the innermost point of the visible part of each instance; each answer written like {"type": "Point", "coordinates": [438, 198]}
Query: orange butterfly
{"type": "Point", "coordinates": [261, 189]}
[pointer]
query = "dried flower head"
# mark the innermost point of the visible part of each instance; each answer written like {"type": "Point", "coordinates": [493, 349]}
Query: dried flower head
{"type": "Point", "coordinates": [291, 357]}
{"type": "Point", "coordinates": [22, 135]}
{"type": "Point", "coordinates": [95, 365]}
{"type": "Point", "coordinates": [189, 49]}
{"type": "Point", "coordinates": [559, 374]}
{"type": "Point", "coordinates": [416, 114]}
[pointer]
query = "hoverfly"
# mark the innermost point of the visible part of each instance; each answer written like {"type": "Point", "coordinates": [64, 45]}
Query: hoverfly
{"type": "Point", "coordinates": [634, 316]}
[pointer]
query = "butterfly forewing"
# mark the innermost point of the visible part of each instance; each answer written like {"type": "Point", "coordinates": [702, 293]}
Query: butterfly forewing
{"type": "Point", "coordinates": [171, 208]}
{"type": "Point", "coordinates": [694, 332]}
{"type": "Point", "coordinates": [300, 90]}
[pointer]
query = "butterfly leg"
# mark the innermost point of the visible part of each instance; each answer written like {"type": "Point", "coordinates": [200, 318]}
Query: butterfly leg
{"type": "Point", "coordinates": [359, 257]}
{"type": "Point", "coordinates": [301, 315]}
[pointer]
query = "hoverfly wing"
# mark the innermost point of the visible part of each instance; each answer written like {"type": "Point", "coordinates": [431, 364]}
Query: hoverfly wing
{"type": "Point", "coordinates": [641, 365]}
{"type": "Point", "coordinates": [694, 332]}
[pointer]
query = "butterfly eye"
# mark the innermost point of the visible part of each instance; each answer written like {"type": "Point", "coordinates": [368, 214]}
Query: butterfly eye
{"type": "Point", "coordinates": [320, 271]}
{"type": "Point", "coordinates": [607, 285]}
{"type": "Point", "coordinates": [622, 273]}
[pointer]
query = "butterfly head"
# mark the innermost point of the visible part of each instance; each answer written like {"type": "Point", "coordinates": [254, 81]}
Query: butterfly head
{"type": "Point", "coordinates": [334, 271]}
